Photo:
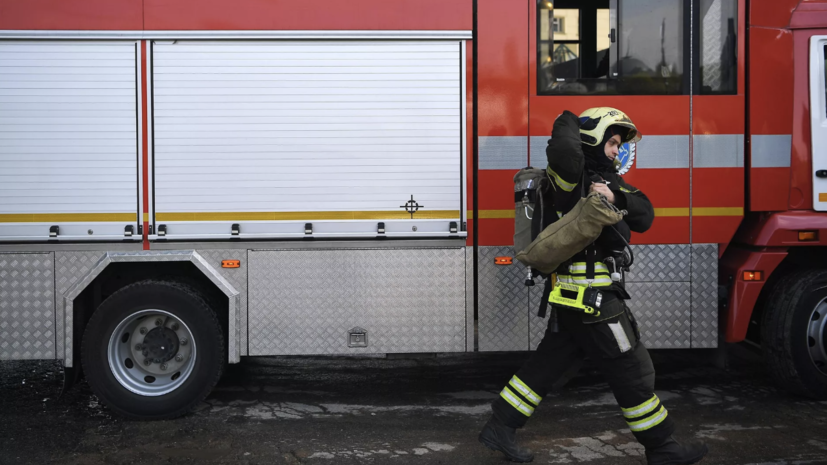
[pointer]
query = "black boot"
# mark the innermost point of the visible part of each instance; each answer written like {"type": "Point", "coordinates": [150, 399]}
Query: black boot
{"type": "Point", "coordinates": [671, 452]}
{"type": "Point", "coordinates": [498, 436]}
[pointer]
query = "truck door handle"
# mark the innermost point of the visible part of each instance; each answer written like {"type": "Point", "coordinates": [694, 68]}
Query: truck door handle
{"type": "Point", "coordinates": [821, 174]}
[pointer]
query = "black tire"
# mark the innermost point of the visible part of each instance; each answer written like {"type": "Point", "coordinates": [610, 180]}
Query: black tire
{"type": "Point", "coordinates": [785, 333]}
{"type": "Point", "coordinates": [205, 363]}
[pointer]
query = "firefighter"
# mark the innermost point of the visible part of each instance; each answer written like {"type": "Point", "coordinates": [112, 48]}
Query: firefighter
{"type": "Point", "coordinates": [582, 158]}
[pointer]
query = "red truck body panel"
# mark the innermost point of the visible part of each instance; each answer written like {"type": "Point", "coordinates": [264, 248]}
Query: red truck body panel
{"type": "Point", "coordinates": [212, 15]}
{"type": "Point", "coordinates": [780, 198]}
{"type": "Point", "coordinates": [767, 206]}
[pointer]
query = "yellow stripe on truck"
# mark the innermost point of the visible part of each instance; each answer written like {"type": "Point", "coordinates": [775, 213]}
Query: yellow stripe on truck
{"type": "Point", "coordinates": [659, 212]}
{"type": "Point", "coordinates": [314, 216]}
{"type": "Point", "coordinates": [492, 214]}
{"type": "Point", "coordinates": [700, 211]}
{"type": "Point", "coordinates": [717, 211]}
{"type": "Point", "coordinates": [307, 216]}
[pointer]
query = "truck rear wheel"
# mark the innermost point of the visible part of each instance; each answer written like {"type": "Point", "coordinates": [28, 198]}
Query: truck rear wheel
{"type": "Point", "coordinates": [153, 350]}
{"type": "Point", "coordinates": [794, 333]}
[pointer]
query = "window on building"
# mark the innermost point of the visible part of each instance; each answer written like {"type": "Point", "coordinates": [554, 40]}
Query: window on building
{"type": "Point", "coordinates": [612, 47]}
{"type": "Point", "coordinates": [560, 42]}
{"type": "Point", "coordinates": [718, 46]}
{"type": "Point", "coordinates": [557, 25]}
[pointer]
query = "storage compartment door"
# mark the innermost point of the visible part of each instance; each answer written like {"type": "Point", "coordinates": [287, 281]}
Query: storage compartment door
{"type": "Point", "coordinates": [306, 302]}
{"type": "Point", "coordinates": [343, 135]}
{"type": "Point", "coordinates": [68, 140]}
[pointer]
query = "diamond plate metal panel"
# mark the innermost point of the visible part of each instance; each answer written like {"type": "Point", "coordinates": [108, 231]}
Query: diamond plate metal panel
{"type": "Point", "coordinates": [237, 277]}
{"type": "Point", "coordinates": [27, 306]}
{"type": "Point", "coordinates": [536, 325]}
{"type": "Point", "coordinates": [470, 339]}
{"type": "Point", "coordinates": [70, 269]}
{"type": "Point", "coordinates": [503, 302]}
{"type": "Point", "coordinates": [663, 312]}
{"type": "Point", "coordinates": [704, 296]}
{"type": "Point", "coordinates": [660, 263]}
{"type": "Point", "coordinates": [306, 301]}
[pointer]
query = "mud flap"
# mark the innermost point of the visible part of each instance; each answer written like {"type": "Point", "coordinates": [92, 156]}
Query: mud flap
{"type": "Point", "coordinates": [71, 375]}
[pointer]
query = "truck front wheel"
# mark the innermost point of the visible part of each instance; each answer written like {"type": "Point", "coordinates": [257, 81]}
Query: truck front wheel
{"type": "Point", "coordinates": [794, 333]}
{"type": "Point", "coordinates": [153, 350]}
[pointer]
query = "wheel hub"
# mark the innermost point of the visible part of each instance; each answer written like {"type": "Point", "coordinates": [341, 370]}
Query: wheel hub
{"type": "Point", "coordinates": [160, 345]}
{"type": "Point", "coordinates": [151, 352]}
{"type": "Point", "coordinates": [817, 337]}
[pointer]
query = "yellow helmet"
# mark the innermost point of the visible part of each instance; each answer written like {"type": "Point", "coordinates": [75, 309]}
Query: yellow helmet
{"type": "Point", "coordinates": [595, 121]}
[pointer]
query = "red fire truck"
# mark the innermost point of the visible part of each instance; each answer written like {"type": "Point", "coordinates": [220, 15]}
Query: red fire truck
{"type": "Point", "coordinates": [186, 183]}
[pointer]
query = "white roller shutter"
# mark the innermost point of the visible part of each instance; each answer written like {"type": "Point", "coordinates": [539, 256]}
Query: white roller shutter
{"type": "Point", "coordinates": [68, 139]}
{"type": "Point", "coordinates": [340, 134]}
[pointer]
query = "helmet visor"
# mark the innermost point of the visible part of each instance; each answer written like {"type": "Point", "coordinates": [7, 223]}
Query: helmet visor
{"type": "Point", "coordinates": [631, 132]}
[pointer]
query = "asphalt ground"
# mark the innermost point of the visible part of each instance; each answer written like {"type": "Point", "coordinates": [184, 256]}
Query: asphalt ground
{"type": "Point", "coordinates": [407, 410]}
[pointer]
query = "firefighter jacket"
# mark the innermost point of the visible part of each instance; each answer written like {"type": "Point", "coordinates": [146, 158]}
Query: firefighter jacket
{"type": "Point", "coordinates": [571, 176]}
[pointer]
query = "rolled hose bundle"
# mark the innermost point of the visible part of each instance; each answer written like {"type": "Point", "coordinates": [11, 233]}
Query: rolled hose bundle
{"type": "Point", "coordinates": [570, 234]}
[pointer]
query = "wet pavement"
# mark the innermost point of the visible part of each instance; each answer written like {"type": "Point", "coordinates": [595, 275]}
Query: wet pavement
{"type": "Point", "coordinates": [407, 410]}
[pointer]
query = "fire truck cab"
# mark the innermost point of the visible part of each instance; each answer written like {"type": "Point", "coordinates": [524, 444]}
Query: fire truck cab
{"type": "Point", "coordinates": [185, 184]}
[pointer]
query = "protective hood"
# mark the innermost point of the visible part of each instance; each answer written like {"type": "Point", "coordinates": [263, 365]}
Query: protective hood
{"type": "Point", "coordinates": [596, 159]}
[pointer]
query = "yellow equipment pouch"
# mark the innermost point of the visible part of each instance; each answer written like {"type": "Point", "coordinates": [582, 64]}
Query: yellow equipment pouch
{"type": "Point", "coordinates": [582, 299]}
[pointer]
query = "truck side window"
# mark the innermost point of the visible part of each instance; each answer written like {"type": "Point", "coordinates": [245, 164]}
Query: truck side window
{"type": "Point", "coordinates": [719, 46]}
{"type": "Point", "coordinates": [611, 47]}
{"type": "Point", "coordinates": [573, 46]}
{"type": "Point", "coordinates": [651, 47]}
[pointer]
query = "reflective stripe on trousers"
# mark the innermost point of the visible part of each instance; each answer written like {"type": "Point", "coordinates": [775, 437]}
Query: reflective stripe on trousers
{"type": "Point", "coordinates": [646, 415]}
{"type": "Point", "coordinates": [520, 396]}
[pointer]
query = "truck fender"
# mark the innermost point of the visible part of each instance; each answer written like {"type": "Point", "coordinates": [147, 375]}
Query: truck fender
{"type": "Point", "coordinates": [743, 295]}
{"type": "Point", "coordinates": [233, 296]}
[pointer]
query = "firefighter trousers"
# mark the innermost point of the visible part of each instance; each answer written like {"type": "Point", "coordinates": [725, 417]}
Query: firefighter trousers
{"type": "Point", "coordinates": [613, 344]}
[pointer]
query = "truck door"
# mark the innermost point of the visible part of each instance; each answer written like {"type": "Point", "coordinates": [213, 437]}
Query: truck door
{"type": "Point", "coordinates": [818, 119]}
{"type": "Point", "coordinates": [676, 68]}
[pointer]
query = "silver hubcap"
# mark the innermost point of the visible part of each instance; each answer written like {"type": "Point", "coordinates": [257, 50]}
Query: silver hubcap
{"type": "Point", "coordinates": [817, 336]}
{"type": "Point", "coordinates": [151, 352]}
